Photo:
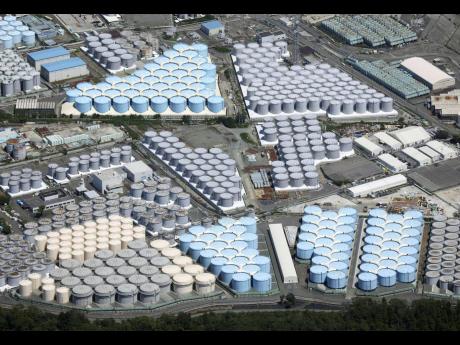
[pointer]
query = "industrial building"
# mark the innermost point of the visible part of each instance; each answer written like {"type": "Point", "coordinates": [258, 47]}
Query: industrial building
{"type": "Point", "coordinates": [392, 163]}
{"type": "Point", "coordinates": [56, 139]}
{"type": "Point", "coordinates": [138, 171]}
{"type": "Point", "coordinates": [43, 28]}
{"type": "Point", "coordinates": [445, 150]}
{"type": "Point", "coordinates": [435, 156]}
{"type": "Point", "coordinates": [48, 200]}
{"type": "Point", "coordinates": [369, 146]}
{"type": "Point", "coordinates": [414, 154]}
{"type": "Point", "coordinates": [411, 135]}
{"type": "Point", "coordinates": [283, 254]}
{"type": "Point", "coordinates": [41, 57]}
{"type": "Point", "coordinates": [376, 186]}
{"type": "Point", "coordinates": [263, 37]}
{"type": "Point", "coordinates": [446, 105]}
{"type": "Point", "coordinates": [426, 72]}
{"type": "Point", "coordinates": [108, 181]}
{"type": "Point", "coordinates": [62, 70]}
{"type": "Point", "coordinates": [212, 28]}
{"type": "Point", "coordinates": [7, 134]}
{"type": "Point", "coordinates": [388, 140]}
{"type": "Point", "coordinates": [34, 107]}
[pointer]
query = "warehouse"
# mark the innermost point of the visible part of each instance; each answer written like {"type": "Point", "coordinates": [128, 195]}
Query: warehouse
{"type": "Point", "coordinates": [414, 154]}
{"type": "Point", "coordinates": [435, 156]}
{"type": "Point", "coordinates": [212, 28]}
{"type": "Point", "coordinates": [427, 73]}
{"type": "Point", "coordinates": [41, 57]}
{"type": "Point", "coordinates": [445, 151]}
{"type": "Point", "coordinates": [108, 181]}
{"type": "Point", "coordinates": [369, 146]}
{"type": "Point", "coordinates": [388, 140]}
{"type": "Point", "coordinates": [392, 163]}
{"type": "Point", "coordinates": [447, 105]}
{"type": "Point", "coordinates": [62, 70]}
{"type": "Point", "coordinates": [283, 255]}
{"type": "Point", "coordinates": [138, 171]}
{"type": "Point", "coordinates": [411, 136]}
{"type": "Point", "coordinates": [383, 184]}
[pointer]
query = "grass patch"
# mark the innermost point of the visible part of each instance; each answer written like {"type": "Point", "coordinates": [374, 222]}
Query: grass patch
{"type": "Point", "coordinates": [246, 137]}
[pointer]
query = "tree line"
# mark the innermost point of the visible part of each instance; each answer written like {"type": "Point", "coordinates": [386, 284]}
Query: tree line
{"type": "Point", "coordinates": [360, 315]}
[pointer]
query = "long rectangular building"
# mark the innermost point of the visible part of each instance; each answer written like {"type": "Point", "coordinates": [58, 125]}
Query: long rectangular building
{"type": "Point", "coordinates": [369, 146]}
{"type": "Point", "coordinates": [41, 57]}
{"type": "Point", "coordinates": [392, 163]}
{"type": "Point", "coordinates": [386, 139]}
{"type": "Point", "coordinates": [380, 185]}
{"type": "Point", "coordinates": [417, 156]}
{"type": "Point", "coordinates": [445, 151]}
{"type": "Point", "coordinates": [283, 254]}
{"type": "Point", "coordinates": [66, 69]}
{"type": "Point", "coordinates": [426, 72]}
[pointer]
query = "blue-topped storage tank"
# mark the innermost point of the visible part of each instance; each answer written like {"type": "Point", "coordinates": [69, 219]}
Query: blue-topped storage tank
{"type": "Point", "coordinates": [184, 242]}
{"type": "Point", "coordinates": [380, 222]}
{"type": "Point", "coordinates": [170, 66]}
{"type": "Point", "coordinates": [208, 238]}
{"type": "Point", "coordinates": [210, 83]}
{"type": "Point", "coordinates": [307, 236]}
{"type": "Point", "coordinates": [414, 214]}
{"type": "Point", "coordinates": [311, 219]}
{"type": "Point", "coordinates": [340, 247]}
{"type": "Point", "coordinates": [370, 258]}
{"type": "Point", "coordinates": [168, 93]}
{"type": "Point", "coordinates": [113, 79]}
{"type": "Point", "coordinates": [409, 250]}
{"type": "Point", "coordinates": [227, 272]}
{"type": "Point", "coordinates": [348, 211]}
{"type": "Point", "coordinates": [346, 220]}
{"type": "Point", "coordinates": [149, 93]}
{"type": "Point", "coordinates": [229, 253]}
{"type": "Point", "coordinates": [161, 73]}
{"type": "Point", "coordinates": [206, 256]}
{"type": "Point", "coordinates": [239, 261]}
{"type": "Point", "coordinates": [195, 248]}
{"type": "Point", "coordinates": [249, 223]}
{"type": "Point", "coordinates": [318, 274]}
{"type": "Point", "coordinates": [198, 60]}
{"type": "Point", "coordinates": [228, 237]}
{"type": "Point", "coordinates": [84, 86]}
{"type": "Point", "coordinates": [250, 269]}
{"type": "Point", "coordinates": [340, 256]}
{"type": "Point", "coordinates": [344, 229]}
{"type": "Point", "coordinates": [408, 260]}
{"type": "Point", "coordinates": [169, 80]}
{"type": "Point", "coordinates": [323, 251]}
{"type": "Point", "coordinates": [241, 282]}
{"type": "Point", "coordinates": [28, 38]}
{"type": "Point", "coordinates": [178, 86]}
{"type": "Point", "coordinates": [218, 245]}
{"type": "Point", "coordinates": [83, 104]}
{"type": "Point", "coordinates": [251, 239]}
{"type": "Point", "coordinates": [378, 212]}
{"type": "Point", "coordinates": [151, 80]}
{"type": "Point", "coordinates": [141, 86]}
{"type": "Point", "coordinates": [93, 93]}
{"type": "Point", "coordinates": [304, 250]}
{"type": "Point", "coordinates": [215, 229]}
{"type": "Point", "coordinates": [180, 60]}
{"type": "Point", "coordinates": [71, 95]}
{"type": "Point", "coordinates": [103, 86]}
{"type": "Point", "coordinates": [170, 53]}
{"type": "Point", "coordinates": [197, 73]}
{"type": "Point", "coordinates": [130, 93]}
{"type": "Point", "coordinates": [140, 104]}
{"type": "Point", "coordinates": [262, 282]}
{"type": "Point", "coordinates": [122, 86]}
{"type": "Point", "coordinates": [367, 281]}
{"type": "Point", "coordinates": [406, 273]}
{"type": "Point", "coordinates": [190, 54]}
{"type": "Point", "coordinates": [216, 265]}
{"type": "Point", "coordinates": [386, 277]}
{"type": "Point", "coordinates": [309, 228]}
{"type": "Point", "coordinates": [210, 69]}
{"type": "Point", "coordinates": [369, 267]}
{"type": "Point", "coordinates": [181, 47]}
{"type": "Point", "coordinates": [320, 260]}
{"type": "Point", "coordinates": [239, 245]}
{"type": "Point", "coordinates": [159, 104]}
{"type": "Point", "coordinates": [313, 209]}
{"type": "Point", "coordinates": [395, 218]}
{"type": "Point", "coordinates": [112, 93]}
{"type": "Point", "coordinates": [151, 67]}
{"type": "Point", "coordinates": [201, 49]}
{"type": "Point", "coordinates": [102, 104]}
{"type": "Point", "coordinates": [7, 41]}
{"type": "Point", "coordinates": [375, 230]}
{"type": "Point", "coordinates": [336, 280]}
{"type": "Point", "coordinates": [250, 253]}
{"type": "Point", "coordinates": [141, 73]}
{"type": "Point", "coordinates": [132, 79]}
{"type": "Point", "coordinates": [121, 104]}
{"type": "Point", "coordinates": [179, 74]}
{"type": "Point", "coordinates": [189, 67]}
{"type": "Point", "coordinates": [196, 104]}
{"type": "Point", "coordinates": [161, 60]}
{"type": "Point", "coordinates": [388, 263]}
{"type": "Point", "coordinates": [178, 104]}
{"type": "Point", "coordinates": [263, 262]}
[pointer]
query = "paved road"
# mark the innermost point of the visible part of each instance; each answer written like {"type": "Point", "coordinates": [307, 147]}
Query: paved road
{"type": "Point", "coordinates": [354, 259]}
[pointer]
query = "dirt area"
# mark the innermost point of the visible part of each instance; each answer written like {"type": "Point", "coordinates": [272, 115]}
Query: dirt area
{"type": "Point", "coordinates": [451, 195]}
{"type": "Point", "coordinates": [335, 200]}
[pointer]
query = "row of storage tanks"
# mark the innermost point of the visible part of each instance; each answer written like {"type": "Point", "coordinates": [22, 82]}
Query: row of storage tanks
{"type": "Point", "coordinates": [273, 88]}
{"type": "Point", "coordinates": [21, 180]}
{"type": "Point", "coordinates": [390, 250]}
{"type": "Point", "coordinates": [229, 250]}
{"type": "Point", "coordinates": [14, 33]}
{"type": "Point", "coordinates": [18, 260]}
{"type": "Point", "coordinates": [181, 78]}
{"type": "Point", "coordinates": [91, 162]}
{"type": "Point", "coordinates": [443, 260]}
{"type": "Point", "coordinates": [326, 240]}
{"type": "Point", "coordinates": [16, 75]}
{"type": "Point", "coordinates": [212, 172]}
{"type": "Point", "coordinates": [127, 274]}
{"type": "Point", "coordinates": [300, 144]}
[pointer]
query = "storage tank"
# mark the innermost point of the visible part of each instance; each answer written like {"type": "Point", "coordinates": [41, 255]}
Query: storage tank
{"type": "Point", "coordinates": [159, 104]}
{"type": "Point", "coordinates": [83, 104]}
{"type": "Point", "coordinates": [102, 104]}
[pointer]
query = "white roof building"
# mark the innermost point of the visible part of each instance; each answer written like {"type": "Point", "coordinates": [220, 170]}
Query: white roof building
{"type": "Point", "coordinates": [365, 189]}
{"type": "Point", "coordinates": [417, 156]}
{"type": "Point", "coordinates": [369, 146]}
{"type": "Point", "coordinates": [410, 136]}
{"type": "Point", "coordinates": [446, 151]}
{"type": "Point", "coordinates": [435, 156]}
{"type": "Point", "coordinates": [426, 72]}
{"type": "Point", "coordinates": [138, 171]}
{"type": "Point", "coordinates": [283, 254]}
{"type": "Point", "coordinates": [392, 163]}
{"type": "Point", "coordinates": [388, 140]}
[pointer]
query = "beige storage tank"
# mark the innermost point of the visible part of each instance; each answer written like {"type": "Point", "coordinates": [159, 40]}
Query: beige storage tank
{"type": "Point", "coordinates": [36, 280]}
{"type": "Point", "coordinates": [25, 288]}
{"type": "Point", "coordinates": [78, 255]}
{"type": "Point", "coordinates": [101, 246]}
{"type": "Point", "coordinates": [40, 242]}
{"type": "Point", "coordinates": [115, 245]}
{"type": "Point", "coordinates": [89, 252]}
{"type": "Point", "coordinates": [159, 244]}
{"type": "Point", "coordinates": [47, 281]}
{"type": "Point", "coordinates": [182, 283]}
{"type": "Point", "coordinates": [64, 256]}
{"type": "Point", "coordinates": [171, 270]}
{"type": "Point", "coordinates": [205, 283]}
{"type": "Point", "coordinates": [139, 236]}
{"type": "Point", "coordinates": [48, 292]}
{"type": "Point", "coordinates": [62, 295]}
{"type": "Point", "coordinates": [171, 253]}
{"type": "Point", "coordinates": [193, 269]}
{"type": "Point", "coordinates": [182, 261]}
{"type": "Point", "coordinates": [52, 252]}
{"type": "Point", "coordinates": [124, 241]}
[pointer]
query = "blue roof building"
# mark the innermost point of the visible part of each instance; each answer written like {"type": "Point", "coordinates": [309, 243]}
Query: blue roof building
{"type": "Point", "coordinates": [65, 69]}
{"type": "Point", "coordinates": [212, 27]}
{"type": "Point", "coordinates": [39, 58]}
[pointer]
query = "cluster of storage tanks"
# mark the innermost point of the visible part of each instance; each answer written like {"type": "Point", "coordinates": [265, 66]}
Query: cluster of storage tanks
{"type": "Point", "coordinates": [117, 274]}
{"type": "Point", "coordinates": [14, 33]}
{"type": "Point", "coordinates": [229, 250]}
{"type": "Point", "coordinates": [326, 240]}
{"type": "Point", "coordinates": [180, 79]}
{"type": "Point", "coordinates": [272, 88]}
{"type": "Point", "coordinates": [300, 145]}
{"type": "Point", "coordinates": [212, 172]}
{"type": "Point", "coordinates": [390, 251]}
{"type": "Point", "coordinates": [92, 162]}
{"type": "Point", "coordinates": [16, 75]}
{"type": "Point", "coordinates": [18, 260]}
{"type": "Point", "coordinates": [442, 271]}
{"type": "Point", "coordinates": [17, 181]}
